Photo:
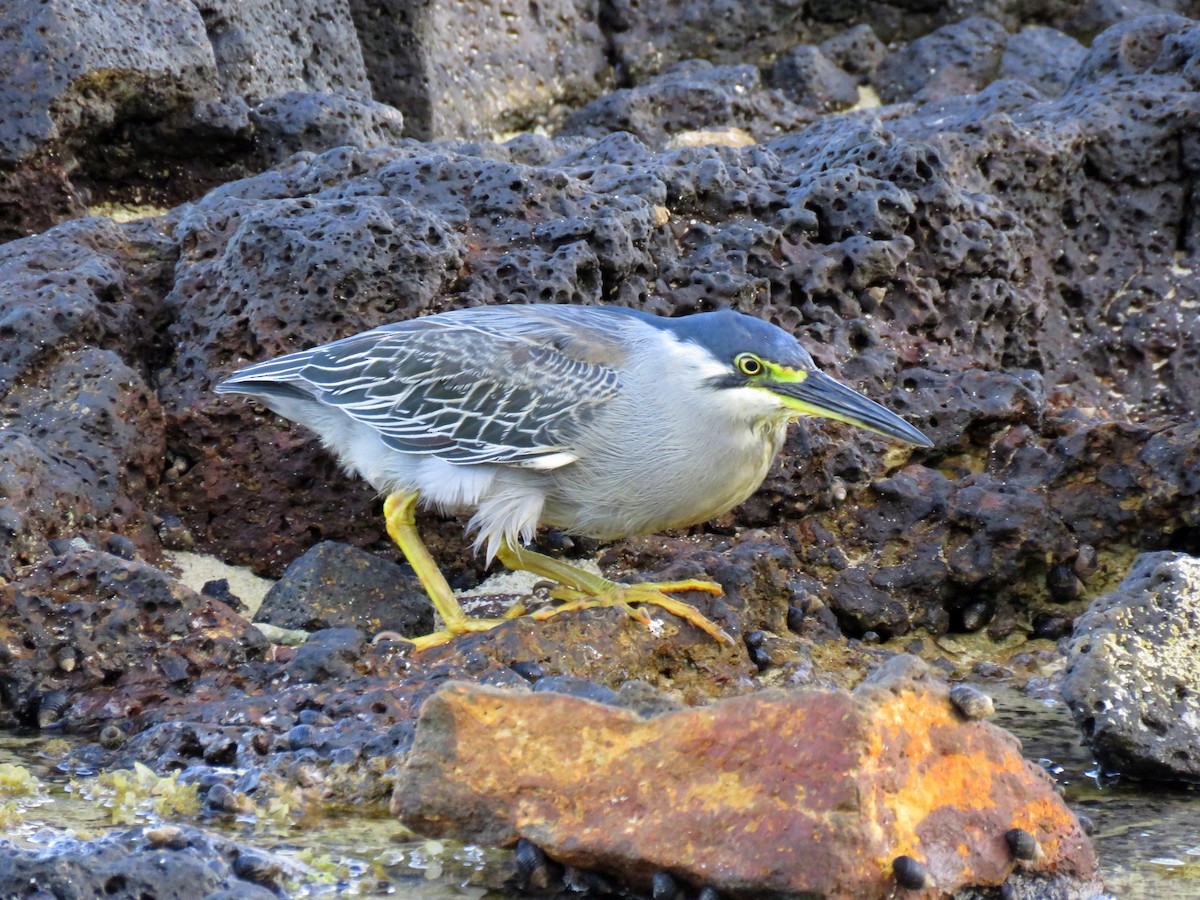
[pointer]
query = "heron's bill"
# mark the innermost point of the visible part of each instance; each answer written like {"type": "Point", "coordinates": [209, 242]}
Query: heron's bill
{"type": "Point", "coordinates": [816, 394]}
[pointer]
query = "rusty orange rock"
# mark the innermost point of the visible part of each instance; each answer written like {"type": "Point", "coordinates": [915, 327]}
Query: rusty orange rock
{"type": "Point", "coordinates": [800, 793]}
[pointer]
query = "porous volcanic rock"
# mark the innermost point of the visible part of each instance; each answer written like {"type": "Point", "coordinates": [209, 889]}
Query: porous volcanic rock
{"type": "Point", "coordinates": [82, 437]}
{"type": "Point", "coordinates": [472, 69]}
{"type": "Point", "coordinates": [112, 636]}
{"type": "Point", "coordinates": [808, 77]}
{"type": "Point", "coordinates": [1133, 670]}
{"type": "Point", "coordinates": [837, 784]}
{"type": "Point", "coordinates": [167, 862]}
{"type": "Point", "coordinates": [137, 103]}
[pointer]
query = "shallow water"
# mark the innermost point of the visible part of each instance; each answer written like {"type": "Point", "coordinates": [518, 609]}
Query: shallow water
{"type": "Point", "coordinates": [1147, 837]}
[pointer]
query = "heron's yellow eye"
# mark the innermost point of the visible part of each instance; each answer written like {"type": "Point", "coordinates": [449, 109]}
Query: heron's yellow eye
{"type": "Point", "coordinates": [749, 364]}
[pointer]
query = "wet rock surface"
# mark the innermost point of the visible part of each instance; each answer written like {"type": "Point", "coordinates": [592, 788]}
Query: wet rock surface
{"type": "Point", "coordinates": [1132, 670]}
{"type": "Point", "coordinates": [833, 781]}
{"type": "Point", "coordinates": [165, 862]}
{"type": "Point", "coordinates": [1003, 254]}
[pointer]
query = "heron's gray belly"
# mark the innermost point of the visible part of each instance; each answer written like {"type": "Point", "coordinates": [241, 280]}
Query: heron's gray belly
{"type": "Point", "coordinates": [670, 493]}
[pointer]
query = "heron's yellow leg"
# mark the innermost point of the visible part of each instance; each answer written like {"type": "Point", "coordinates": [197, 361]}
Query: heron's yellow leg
{"type": "Point", "coordinates": [399, 512]}
{"type": "Point", "coordinates": [585, 590]}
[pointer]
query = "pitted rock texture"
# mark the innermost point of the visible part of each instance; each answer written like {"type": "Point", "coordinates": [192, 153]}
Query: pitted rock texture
{"type": "Point", "coordinates": [82, 437]}
{"type": "Point", "coordinates": [111, 634]}
{"type": "Point", "coordinates": [165, 862]}
{"type": "Point", "coordinates": [1008, 270]}
{"type": "Point", "coordinates": [256, 58]}
{"type": "Point", "coordinates": [464, 69]}
{"type": "Point", "coordinates": [837, 785]}
{"type": "Point", "coordinates": [1133, 670]}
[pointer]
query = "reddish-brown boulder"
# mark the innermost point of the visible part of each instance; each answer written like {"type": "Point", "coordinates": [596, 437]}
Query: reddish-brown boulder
{"type": "Point", "coordinates": [812, 793]}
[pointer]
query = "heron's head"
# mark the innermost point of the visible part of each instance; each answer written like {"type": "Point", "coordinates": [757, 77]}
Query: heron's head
{"type": "Point", "coordinates": [748, 354]}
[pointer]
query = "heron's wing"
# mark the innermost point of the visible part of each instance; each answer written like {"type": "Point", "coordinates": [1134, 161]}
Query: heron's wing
{"type": "Point", "coordinates": [511, 385]}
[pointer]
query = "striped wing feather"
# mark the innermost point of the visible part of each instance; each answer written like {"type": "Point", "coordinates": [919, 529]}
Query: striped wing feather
{"type": "Point", "coordinates": [467, 387]}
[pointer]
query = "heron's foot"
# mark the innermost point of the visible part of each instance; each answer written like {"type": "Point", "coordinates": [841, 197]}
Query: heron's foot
{"type": "Point", "coordinates": [453, 630]}
{"type": "Point", "coordinates": [629, 596]}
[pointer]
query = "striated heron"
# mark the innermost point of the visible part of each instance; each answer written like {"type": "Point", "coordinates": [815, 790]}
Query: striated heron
{"type": "Point", "coordinates": [602, 421]}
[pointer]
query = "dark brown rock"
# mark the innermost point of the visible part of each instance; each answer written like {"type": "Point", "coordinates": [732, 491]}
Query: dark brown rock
{"type": "Point", "coordinates": [674, 793]}
{"type": "Point", "coordinates": [116, 617]}
{"type": "Point", "coordinates": [336, 585]}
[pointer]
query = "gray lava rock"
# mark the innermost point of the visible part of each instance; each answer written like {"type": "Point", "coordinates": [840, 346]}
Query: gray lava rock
{"type": "Point", "coordinates": [299, 120]}
{"type": "Point", "coordinates": [807, 77]}
{"type": "Point", "coordinates": [334, 585]}
{"type": "Point", "coordinates": [955, 59]}
{"type": "Point", "coordinates": [72, 64]}
{"type": "Point", "coordinates": [1133, 670]}
{"type": "Point", "coordinates": [164, 862]}
{"type": "Point", "coordinates": [1042, 57]}
{"type": "Point", "coordinates": [694, 96]}
{"type": "Point", "coordinates": [318, 50]}
{"type": "Point", "coordinates": [856, 51]}
{"type": "Point", "coordinates": [474, 69]}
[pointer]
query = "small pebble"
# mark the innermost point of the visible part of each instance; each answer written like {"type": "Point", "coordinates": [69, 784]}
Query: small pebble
{"type": "Point", "coordinates": [119, 545]}
{"type": "Point", "coordinates": [795, 618]}
{"type": "Point", "coordinates": [871, 637]}
{"type": "Point", "coordinates": [174, 668]}
{"type": "Point", "coordinates": [171, 836]}
{"type": "Point", "coordinates": [971, 702]}
{"type": "Point", "coordinates": [1022, 844]}
{"type": "Point", "coordinates": [755, 638]}
{"type": "Point", "coordinates": [313, 717]}
{"type": "Point", "coordinates": [760, 657]}
{"type": "Point", "coordinates": [255, 866]}
{"type": "Point", "coordinates": [298, 737]}
{"type": "Point", "coordinates": [222, 799]}
{"type": "Point", "coordinates": [910, 873]}
{"type": "Point", "coordinates": [1063, 584]}
{"type": "Point", "coordinates": [1052, 626]}
{"type": "Point", "coordinates": [708, 893]}
{"type": "Point", "coordinates": [476, 662]}
{"type": "Point", "coordinates": [577, 687]}
{"type": "Point", "coordinates": [528, 669]}
{"type": "Point", "coordinates": [63, 546]}
{"type": "Point", "coordinates": [1085, 561]}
